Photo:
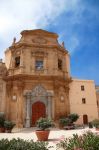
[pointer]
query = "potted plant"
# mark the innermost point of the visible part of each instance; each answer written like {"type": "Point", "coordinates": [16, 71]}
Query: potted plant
{"type": "Point", "coordinates": [68, 122]}
{"type": "Point", "coordinates": [90, 125]}
{"type": "Point", "coordinates": [43, 124]}
{"type": "Point", "coordinates": [64, 122]}
{"type": "Point", "coordinates": [95, 122]}
{"type": "Point", "coordinates": [2, 119]}
{"type": "Point", "coordinates": [73, 117]}
{"type": "Point", "coordinates": [8, 126]}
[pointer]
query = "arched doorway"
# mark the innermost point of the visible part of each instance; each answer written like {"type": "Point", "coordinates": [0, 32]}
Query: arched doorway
{"type": "Point", "coordinates": [85, 119]}
{"type": "Point", "coordinates": [38, 110]}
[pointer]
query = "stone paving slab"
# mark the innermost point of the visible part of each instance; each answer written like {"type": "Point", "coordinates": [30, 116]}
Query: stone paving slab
{"type": "Point", "coordinates": [55, 136]}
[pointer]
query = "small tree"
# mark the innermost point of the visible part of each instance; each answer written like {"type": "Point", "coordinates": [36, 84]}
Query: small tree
{"type": "Point", "coordinates": [44, 123]}
{"type": "Point", "coordinates": [73, 117]}
{"type": "Point", "coordinates": [65, 121]}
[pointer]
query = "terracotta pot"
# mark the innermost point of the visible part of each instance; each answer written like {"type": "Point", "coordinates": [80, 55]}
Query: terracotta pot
{"type": "Point", "coordinates": [8, 130]}
{"type": "Point", "coordinates": [61, 126]}
{"type": "Point", "coordinates": [97, 129]}
{"type": "Point", "coordinates": [42, 135]}
{"type": "Point", "coordinates": [2, 129]}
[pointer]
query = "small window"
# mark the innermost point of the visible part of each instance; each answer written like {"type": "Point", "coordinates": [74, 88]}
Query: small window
{"type": "Point", "coordinates": [82, 88]}
{"type": "Point", "coordinates": [83, 101]}
{"type": "Point", "coordinates": [17, 61]}
{"type": "Point", "coordinates": [97, 103]}
{"type": "Point", "coordinates": [59, 64]}
{"type": "Point", "coordinates": [39, 64]}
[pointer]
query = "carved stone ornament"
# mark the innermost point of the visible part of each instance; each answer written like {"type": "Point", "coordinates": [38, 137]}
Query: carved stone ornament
{"type": "Point", "coordinates": [62, 98]}
{"type": "Point", "coordinates": [39, 40]}
{"type": "Point", "coordinates": [3, 71]}
{"type": "Point", "coordinates": [39, 91]}
{"type": "Point", "coordinates": [39, 53]}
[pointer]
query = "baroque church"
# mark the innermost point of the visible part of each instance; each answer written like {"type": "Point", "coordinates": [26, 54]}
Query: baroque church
{"type": "Point", "coordinates": [35, 82]}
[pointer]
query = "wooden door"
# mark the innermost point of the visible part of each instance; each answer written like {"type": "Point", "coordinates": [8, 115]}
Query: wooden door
{"type": "Point", "coordinates": [85, 119]}
{"type": "Point", "coordinates": [38, 110]}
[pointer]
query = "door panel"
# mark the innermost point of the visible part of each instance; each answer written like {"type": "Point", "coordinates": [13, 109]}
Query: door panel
{"type": "Point", "coordinates": [85, 119]}
{"type": "Point", "coordinates": [38, 110]}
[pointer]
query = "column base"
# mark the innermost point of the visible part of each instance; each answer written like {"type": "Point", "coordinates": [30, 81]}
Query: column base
{"type": "Point", "coordinates": [27, 124]}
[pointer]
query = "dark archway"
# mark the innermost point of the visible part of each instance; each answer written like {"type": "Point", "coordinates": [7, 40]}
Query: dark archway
{"type": "Point", "coordinates": [38, 110]}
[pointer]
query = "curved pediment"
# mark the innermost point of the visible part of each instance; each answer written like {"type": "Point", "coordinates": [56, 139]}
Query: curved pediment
{"type": "Point", "coordinates": [39, 32]}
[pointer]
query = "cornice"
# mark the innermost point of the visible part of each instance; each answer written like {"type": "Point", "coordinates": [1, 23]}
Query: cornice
{"type": "Point", "coordinates": [19, 45]}
{"type": "Point", "coordinates": [22, 77]}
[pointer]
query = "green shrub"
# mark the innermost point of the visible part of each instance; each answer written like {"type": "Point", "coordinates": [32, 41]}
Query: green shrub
{"type": "Point", "coordinates": [4, 144]}
{"type": "Point", "coordinates": [20, 144]}
{"type": "Point", "coordinates": [73, 117]}
{"type": "Point", "coordinates": [69, 120]}
{"type": "Point", "coordinates": [65, 121]}
{"type": "Point", "coordinates": [9, 124]}
{"type": "Point", "coordinates": [2, 119]}
{"type": "Point", "coordinates": [90, 125]}
{"type": "Point", "coordinates": [44, 123]}
{"type": "Point", "coordinates": [95, 122]}
{"type": "Point", "coordinates": [88, 141]}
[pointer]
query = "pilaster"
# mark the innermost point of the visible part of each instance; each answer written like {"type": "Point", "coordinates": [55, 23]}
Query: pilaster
{"type": "Point", "coordinates": [28, 100]}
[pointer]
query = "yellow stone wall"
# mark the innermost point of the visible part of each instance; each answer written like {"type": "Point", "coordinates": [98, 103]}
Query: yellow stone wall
{"type": "Point", "coordinates": [76, 95]}
{"type": "Point", "coordinates": [32, 46]}
{"type": "Point", "coordinates": [2, 87]}
{"type": "Point", "coordinates": [97, 98]}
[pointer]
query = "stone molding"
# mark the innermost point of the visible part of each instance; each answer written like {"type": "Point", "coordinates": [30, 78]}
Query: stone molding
{"type": "Point", "coordinates": [39, 93]}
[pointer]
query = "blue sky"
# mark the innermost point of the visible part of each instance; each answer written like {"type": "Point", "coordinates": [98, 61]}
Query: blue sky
{"type": "Point", "coordinates": [76, 22]}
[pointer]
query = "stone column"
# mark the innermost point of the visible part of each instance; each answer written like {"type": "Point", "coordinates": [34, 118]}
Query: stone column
{"type": "Point", "coordinates": [28, 99]}
{"type": "Point", "coordinates": [21, 59]}
{"type": "Point", "coordinates": [49, 107]}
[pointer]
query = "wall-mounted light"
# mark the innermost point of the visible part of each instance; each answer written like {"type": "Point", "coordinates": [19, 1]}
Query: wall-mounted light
{"type": "Point", "coordinates": [62, 98]}
{"type": "Point", "coordinates": [14, 97]}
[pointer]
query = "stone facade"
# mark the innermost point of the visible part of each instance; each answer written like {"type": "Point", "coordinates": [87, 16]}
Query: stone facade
{"type": "Point", "coordinates": [37, 80]}
{"type": "Point", "coordinates": [3, 72]}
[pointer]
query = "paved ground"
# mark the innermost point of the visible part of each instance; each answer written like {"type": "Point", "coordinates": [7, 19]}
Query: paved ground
{"type": "Point", "coordinates": [55, 135]}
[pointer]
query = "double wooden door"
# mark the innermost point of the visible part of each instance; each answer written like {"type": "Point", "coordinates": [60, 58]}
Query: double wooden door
{"type": "Point", "coordinates": [38, 110]}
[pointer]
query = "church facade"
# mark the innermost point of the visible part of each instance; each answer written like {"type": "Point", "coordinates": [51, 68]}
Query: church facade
{"type": "Point", "coordinates": [35, 82]}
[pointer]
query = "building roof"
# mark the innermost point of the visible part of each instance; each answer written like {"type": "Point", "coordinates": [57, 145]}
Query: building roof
{"type": "Point", "coordinates": [38, 32]}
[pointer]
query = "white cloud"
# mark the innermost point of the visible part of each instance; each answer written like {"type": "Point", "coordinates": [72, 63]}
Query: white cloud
{"type": "Point", "coordinates": [18, 15]}
{"type": "Point", "coordinates": [73, 44]}
{"type": "Point", "coordinates": [28, 13]}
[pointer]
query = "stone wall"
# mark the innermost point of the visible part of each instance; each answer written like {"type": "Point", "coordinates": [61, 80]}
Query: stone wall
{"type": "Point", "coordinates": [88, 106]}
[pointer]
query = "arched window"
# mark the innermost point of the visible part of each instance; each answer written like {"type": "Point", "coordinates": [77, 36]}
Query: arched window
{"type": "Point", "coordinates": [17, 61]}
{"type": "Point", "coordinates": [39, 64]}
{"type": "Point", "coordinates": [59, 64]}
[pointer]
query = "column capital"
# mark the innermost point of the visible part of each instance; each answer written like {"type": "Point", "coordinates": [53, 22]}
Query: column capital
{"type": "Point", "coordinates": [28, 96]}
